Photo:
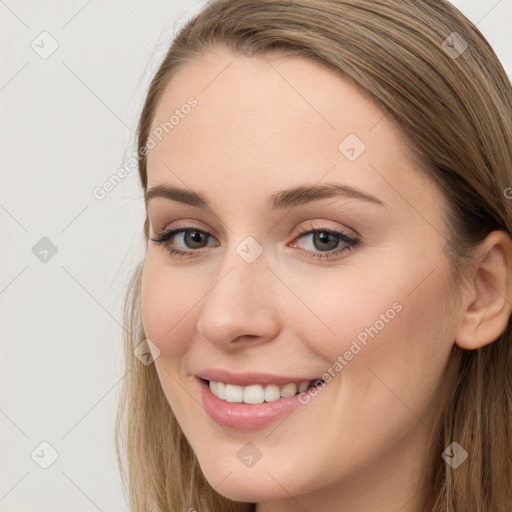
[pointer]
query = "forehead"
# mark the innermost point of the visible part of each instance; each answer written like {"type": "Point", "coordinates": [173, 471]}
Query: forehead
{"type": "Point", "coordinates": [263, 123]}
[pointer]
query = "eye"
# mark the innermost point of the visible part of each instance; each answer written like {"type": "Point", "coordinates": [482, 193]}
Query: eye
{"type": "Point", "coordinates": [325, 242]}
{"type": "Point", "coordinates": [192, 237]}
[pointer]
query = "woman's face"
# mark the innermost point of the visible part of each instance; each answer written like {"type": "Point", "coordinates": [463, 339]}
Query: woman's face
{"type": "Point", "coordinates": [263, 288]}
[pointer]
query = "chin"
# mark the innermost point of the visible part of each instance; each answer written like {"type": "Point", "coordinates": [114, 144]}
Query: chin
{"type": "Point", "coordinates": [247, 484]}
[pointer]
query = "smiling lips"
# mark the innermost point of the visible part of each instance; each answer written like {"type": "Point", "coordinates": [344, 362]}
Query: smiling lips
{"type": "Point", "coordinates": [248, 401]}
{"type": "Point", "coordinates": [253, 388]}
{"type": "Point", "coordinates": [257, 393]}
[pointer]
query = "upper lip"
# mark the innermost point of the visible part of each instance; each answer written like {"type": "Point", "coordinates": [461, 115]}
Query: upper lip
{"type": "Point", "coordinates": [248, 378]}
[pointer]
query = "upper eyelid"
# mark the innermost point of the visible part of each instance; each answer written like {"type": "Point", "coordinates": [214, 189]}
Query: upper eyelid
{"type": "Point", "coordinates": [344, 231]}
{"type": "Point", "coordinates": [178, 227]}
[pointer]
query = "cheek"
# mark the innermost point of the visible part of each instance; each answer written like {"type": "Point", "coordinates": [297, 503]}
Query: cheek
{"type": "Point", "coordinates": [400, 299]}
{"type": "Point", "coordinates": [167, 301]}
{"type": "Point", "coordinates": [386, 332]}
{"type": "Point", "coordinates": [333, 309]}
{"type": "Point", "coordinates": [401, 365]}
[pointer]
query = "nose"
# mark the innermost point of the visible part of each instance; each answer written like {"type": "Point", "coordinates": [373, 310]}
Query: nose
{"type": "Point", "coordinates": [241, 304]}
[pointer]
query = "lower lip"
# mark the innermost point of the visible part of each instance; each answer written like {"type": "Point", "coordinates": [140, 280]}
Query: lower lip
{"type": "Point", "coordinates": [242, 416]}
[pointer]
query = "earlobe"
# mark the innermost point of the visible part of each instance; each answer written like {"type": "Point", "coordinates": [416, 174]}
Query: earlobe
{"type": "Point", "coordinates": [489, 303]}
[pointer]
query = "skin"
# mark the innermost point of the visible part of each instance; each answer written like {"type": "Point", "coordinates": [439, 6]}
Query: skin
{"type": "Point", "coordinates": [361, 443]}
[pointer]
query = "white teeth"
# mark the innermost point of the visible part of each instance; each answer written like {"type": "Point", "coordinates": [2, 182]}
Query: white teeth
{"type": "Point", "coordinates": [272, 393]}
{"type": "Point", "coordinates": [303, 386]}
{"type": "Point", "coordinates": [234, 393]}
{"type": "Point", "coordinates": [218, 389]}
{"type": "Point", "coordinates": [221, 390]}
{"type": "Point", "coordinates": [255, 393]}
{"type": "Point", "coordinates": [288, 390]}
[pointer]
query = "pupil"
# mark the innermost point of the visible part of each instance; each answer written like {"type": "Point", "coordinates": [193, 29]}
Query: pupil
{"type": "Point", "coordinates": [324, 238]}
{"type": "Point", "coordinates": [195, 236]}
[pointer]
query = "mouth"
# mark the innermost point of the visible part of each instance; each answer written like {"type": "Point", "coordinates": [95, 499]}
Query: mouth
{"type": "Point", "coordinates": [235, 413]}
{"type": "Point", "coordinates": [255, 394]}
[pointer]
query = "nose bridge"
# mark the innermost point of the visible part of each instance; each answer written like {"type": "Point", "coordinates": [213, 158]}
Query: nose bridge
{"type": "Point", "coordinates": [240, 300]}
{"type": "Point", "coordinates": [244, 267]}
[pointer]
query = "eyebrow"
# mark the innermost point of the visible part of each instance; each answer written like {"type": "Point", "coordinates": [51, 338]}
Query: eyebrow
{"type": "Point", "coordinates": [287, 198]}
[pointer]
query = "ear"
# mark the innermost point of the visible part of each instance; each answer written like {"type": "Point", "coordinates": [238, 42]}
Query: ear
{"type": "Point", "coordinates": [489, 298]}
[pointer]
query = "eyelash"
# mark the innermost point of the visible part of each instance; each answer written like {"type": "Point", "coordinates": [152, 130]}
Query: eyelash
{"type": "Point", "coordinates": [165, 235]}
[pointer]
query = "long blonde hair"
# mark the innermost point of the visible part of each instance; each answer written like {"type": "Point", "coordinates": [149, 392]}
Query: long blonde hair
{"type": "Point", "coordinates": [456, 111]}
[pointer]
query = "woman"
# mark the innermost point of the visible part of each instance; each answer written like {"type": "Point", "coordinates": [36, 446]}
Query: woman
{"type": "Point", "coordinates": [322, 311]}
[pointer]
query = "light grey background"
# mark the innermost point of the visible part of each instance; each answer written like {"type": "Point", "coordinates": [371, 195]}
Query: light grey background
{"type": "Point", "coordinates": [67, 124]}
